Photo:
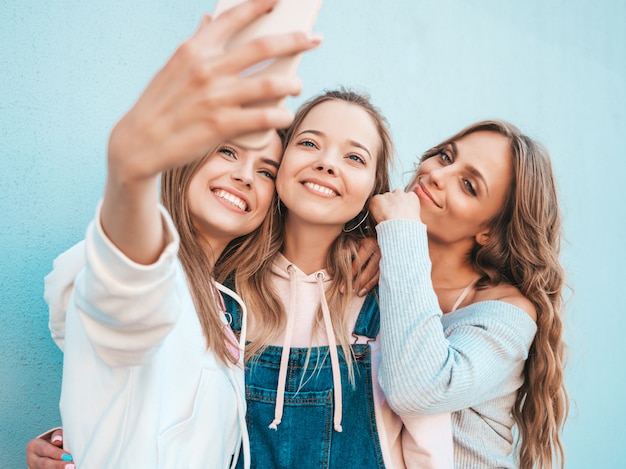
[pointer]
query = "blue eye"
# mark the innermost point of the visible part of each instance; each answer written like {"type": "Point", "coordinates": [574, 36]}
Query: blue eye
{"type": "Point", "coordinates": [308, 143]}
{"type": "Point", "coordinates": [445, 157]}
{"type": "Point", "coordinates": [356, 158]}
{"type": "Point", "coordinates": [227, 152]}
{"type": "Point", "coordinates": [267, 174]}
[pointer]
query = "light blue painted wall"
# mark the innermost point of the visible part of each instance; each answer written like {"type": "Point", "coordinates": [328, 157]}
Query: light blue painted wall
{"type": "Point", "coordinates": [69, 69]}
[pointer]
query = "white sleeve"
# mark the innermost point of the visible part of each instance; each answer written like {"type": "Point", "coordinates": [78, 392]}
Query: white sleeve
{"type": "Point", "coordinates": [58, 286]}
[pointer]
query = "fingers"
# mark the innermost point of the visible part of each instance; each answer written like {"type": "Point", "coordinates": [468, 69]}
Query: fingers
{"type": "Point", "coordinates": [269, 47]}
{"type": "Point", "coordinates": [57, 438]}
{"type": "Point", "coordinates": [370, 274]}
{"type": "Point", "coordinates": [396, 204]}
{"type": "Point", "coordinates": [366, 247]}
{"type": "Point", "coordinates": [235, 18]}
{"type": "Point", "coordinates": [254, 119]}
{"type": "Point", "coordinates": [367, 261]}
{"type": "Point", "coordinates": [248, 50]}
{"type": "Point", "coordinates": [370, 284]}
{"type": "Point", "coordinates": [235, 92]}
{"type": "Point", "coordinates": [42, 454]}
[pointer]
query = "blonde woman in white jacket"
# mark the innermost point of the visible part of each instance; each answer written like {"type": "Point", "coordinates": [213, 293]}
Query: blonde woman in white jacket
{"type": "Point", "coordinates": [152, 372]}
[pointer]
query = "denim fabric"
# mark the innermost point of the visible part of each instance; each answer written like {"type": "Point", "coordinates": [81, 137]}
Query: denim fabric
{"type": "Point", "coordinates": [305, 438]}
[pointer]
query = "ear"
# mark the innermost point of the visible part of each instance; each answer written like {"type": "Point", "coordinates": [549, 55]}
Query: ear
{"type": "Point", "coordinates": [482, 237]}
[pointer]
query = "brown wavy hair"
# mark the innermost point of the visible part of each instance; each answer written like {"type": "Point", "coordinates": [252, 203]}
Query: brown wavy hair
{"type": "Point", "coordinates": [252, 260]}
{"type": "Point", "coordinates": [523, 250]}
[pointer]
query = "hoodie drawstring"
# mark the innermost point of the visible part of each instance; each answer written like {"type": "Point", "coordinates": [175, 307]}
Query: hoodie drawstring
{"type": "Point", "coordinates": [334, 358]}
{"type": "Point", "coordinates": [284, 359]}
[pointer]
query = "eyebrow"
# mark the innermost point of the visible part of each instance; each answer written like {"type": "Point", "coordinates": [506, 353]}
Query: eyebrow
{"type": "Point", "coordinates": [472, 169]}
{"type": "Point", "coordinates": [354, 143]}
{"type": "Point", "coordinates": [271, 162]}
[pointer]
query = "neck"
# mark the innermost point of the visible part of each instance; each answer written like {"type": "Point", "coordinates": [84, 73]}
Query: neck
{"type": "Point", "coordinates": [307, 245]}
{"type": "Point", "coordinates": [213, 247]}
{"type": "Point", "coordinates": [450, 267]}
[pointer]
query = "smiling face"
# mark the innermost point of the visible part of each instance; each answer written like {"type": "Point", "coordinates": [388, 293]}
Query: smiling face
{"type": "Point", "coordinates": [464, 186]}
{"type": "Point", "coordinates": [230, 194]}
{"type": "Point", "coordinates": [329, 165]}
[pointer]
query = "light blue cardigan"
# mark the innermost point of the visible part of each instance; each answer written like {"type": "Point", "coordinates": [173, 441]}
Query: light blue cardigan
{"type": "Point", "coordinates": [468, 362]}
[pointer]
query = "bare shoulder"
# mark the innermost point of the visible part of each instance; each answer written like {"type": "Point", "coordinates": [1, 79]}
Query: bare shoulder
{"type": "Point", "coordinates": [508, 294]}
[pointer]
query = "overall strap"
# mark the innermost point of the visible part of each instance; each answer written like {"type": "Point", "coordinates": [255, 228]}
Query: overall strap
{"type": "Point", "coordinates": [232, 307]}
{"type": "Point", "coordinates": [368, 321]}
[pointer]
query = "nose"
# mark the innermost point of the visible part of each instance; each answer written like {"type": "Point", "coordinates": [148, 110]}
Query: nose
{"type": "Point", "coordinates": [326, 163]}
{"type": "Point", "coordinates": [243, 174]}
{"type": "Point", "coordinates": [438, 176]}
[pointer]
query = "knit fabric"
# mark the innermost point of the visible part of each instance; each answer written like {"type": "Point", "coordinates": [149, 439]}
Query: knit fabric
{"type": "Point", "coordinates": [468, 362]}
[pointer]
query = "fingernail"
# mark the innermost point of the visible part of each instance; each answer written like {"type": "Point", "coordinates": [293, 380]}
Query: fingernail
{"type": "Point", "coordinates": [56, 438]}
{"type": "Point", "coordinates": [70, 466]}
{"type": "Point", "coordinates": [362, 292]}
{"type": "Point", "coordinates": [66, 457]}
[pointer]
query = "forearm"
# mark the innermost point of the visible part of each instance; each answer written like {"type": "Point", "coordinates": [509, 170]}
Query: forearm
{"type": "Point", "coordinates": [129, 214]}
{"type": "Point", "coordinates": [414, 349]}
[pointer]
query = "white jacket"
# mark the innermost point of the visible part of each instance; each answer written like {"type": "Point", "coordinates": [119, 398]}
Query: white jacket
{"type": "Point", "coordinates": [139, 390]}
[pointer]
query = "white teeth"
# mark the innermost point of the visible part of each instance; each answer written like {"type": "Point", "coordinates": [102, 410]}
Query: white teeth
{"type": "Point", "coordinates": [231, 199]}
{"type": "Point", "coordinates": [320, 189]}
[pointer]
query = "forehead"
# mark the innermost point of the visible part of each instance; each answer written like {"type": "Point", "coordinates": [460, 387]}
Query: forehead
{"type": "Point", "coordinates": [343, 121]}
{"type": "Point", "coordinates": [489, 152]}
{"type": "Point", "coordinates": [273, 150]}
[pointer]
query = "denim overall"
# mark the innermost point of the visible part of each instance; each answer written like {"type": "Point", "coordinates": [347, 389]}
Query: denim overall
{"type": "Point", "coordinates": [305, 438]}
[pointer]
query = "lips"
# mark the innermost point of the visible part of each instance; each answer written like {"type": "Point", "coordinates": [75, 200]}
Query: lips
{"type": "Point", "coordinates": [321, 189]}
{"type": "Point", "coordinates": [231, 199]}
{"type": "Point", "coordinates": [421, 191]}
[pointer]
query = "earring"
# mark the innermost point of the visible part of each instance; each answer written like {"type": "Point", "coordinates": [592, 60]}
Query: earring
{"type": "Point", "coordinates": [278, 204]}
{"type": "Point", "coordinates": [348, 230]}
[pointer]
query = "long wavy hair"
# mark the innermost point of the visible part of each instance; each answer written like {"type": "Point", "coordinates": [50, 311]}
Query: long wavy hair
{"type": "Point", "coordinates": [523, 250]}
{"type": "Point", "coordinates": [250, 261]}
{"type": "Point", "coordinates": [195, 260]}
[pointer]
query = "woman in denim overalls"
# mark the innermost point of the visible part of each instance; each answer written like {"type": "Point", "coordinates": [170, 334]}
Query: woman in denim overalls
{"type": "Point", "coordinates": [311, 389]}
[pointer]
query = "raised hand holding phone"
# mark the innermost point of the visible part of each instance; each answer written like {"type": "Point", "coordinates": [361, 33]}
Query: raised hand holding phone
{"type": "Point", "coordinates": [196, 101]}
{"type": "Point", "coordinates": [287, 16]}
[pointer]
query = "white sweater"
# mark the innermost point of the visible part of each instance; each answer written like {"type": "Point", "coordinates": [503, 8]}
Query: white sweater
{"type": "Point", "coordinates": [140, 390]}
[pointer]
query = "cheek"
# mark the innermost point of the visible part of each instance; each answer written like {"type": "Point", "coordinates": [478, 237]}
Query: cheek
{"type": "Point", "coordinates": [192, 198]}
{"type": "Point", "coordinates": [283, 175]}
{"type": "Point", "coordinates": [264, 197]}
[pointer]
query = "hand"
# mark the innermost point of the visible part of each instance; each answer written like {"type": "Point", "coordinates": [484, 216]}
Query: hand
{"type": "Point", "coordinates": [366, 265]}
{"type": "Point", "coordinates": [42, 453]}
{"type": "Point", "coordinates": [198, 99]}
{"type": "Point", "coordinates": [396, 204]}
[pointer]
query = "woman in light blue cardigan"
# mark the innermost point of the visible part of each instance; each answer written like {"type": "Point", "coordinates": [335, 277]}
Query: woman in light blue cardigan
{"type": "Point", "coordinates": [471, 296]}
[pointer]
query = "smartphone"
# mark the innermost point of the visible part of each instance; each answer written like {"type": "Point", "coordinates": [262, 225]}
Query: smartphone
{"type": "Point", "coordinates": [287, 16]}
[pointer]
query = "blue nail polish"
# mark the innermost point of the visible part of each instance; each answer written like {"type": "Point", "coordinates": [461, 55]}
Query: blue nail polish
{"type": "Point", "coordinates": [66, 457]}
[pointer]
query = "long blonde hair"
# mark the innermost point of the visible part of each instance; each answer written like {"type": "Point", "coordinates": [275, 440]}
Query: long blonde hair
{"type": "Point", "coordinates": [252, 267]}
{"type": "Point", "coordinates": [194, 259]}
{"type": "Point", "coordinates": [523, 250]}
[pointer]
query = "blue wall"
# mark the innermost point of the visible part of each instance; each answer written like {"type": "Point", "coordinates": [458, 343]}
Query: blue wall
{"type": "Point", "coordinates": [69, 69]}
